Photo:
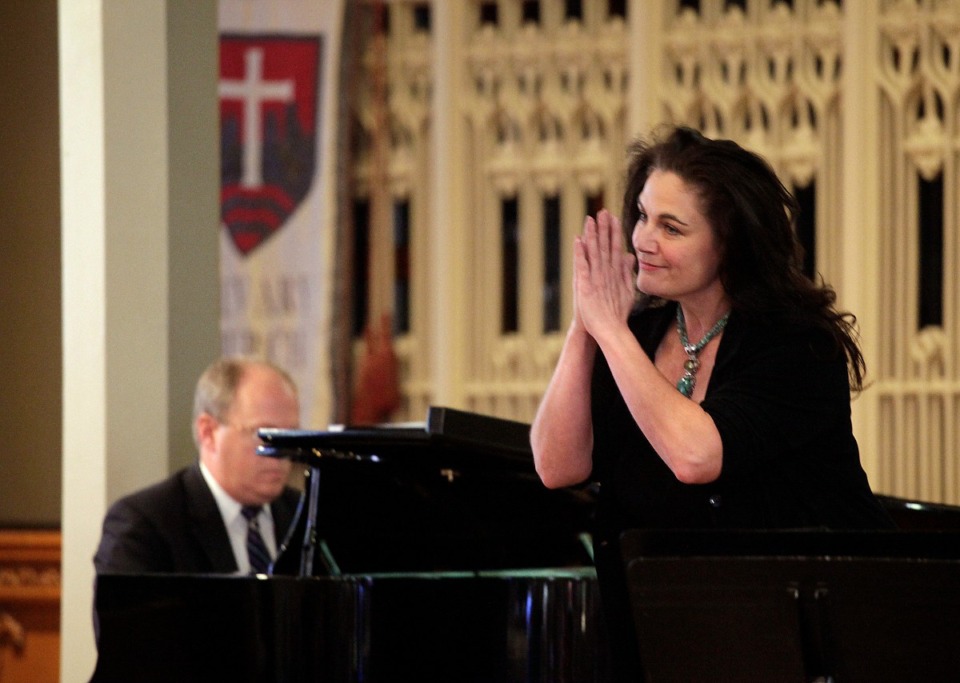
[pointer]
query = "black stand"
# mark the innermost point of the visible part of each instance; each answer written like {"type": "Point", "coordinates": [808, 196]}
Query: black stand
{"type": "Point", "coordinates": [795, 605]}
{"type": "Point", "coordinates": [309, 547]}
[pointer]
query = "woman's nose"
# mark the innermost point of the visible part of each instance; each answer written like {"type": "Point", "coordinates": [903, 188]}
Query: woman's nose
{"type": "Point", "coordinates": [641, 238]}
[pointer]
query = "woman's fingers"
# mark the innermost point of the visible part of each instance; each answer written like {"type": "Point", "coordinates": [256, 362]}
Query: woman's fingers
{"type": "Point", "coordinates": [620, 258]}
{"type": "Point", "coordinates": [603, 238]}
{"type": "Point", "coordinates": [589, 240]}
{"type": "Point", "coordinates": [603, 273]}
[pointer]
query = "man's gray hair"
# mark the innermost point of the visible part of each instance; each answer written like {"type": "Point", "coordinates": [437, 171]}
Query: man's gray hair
{"type": "Point", "coordinates": [217, 386]}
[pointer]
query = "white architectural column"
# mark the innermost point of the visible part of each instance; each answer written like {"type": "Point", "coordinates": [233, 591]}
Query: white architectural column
{"type": "Point", "coordinates": [139, 256]}
{"type": "Point", "coordinates": [449, 206]}
{"type": "Point", "coordinates": [647, 25]}
{"type": "Point", "coordinates": [858, 291]}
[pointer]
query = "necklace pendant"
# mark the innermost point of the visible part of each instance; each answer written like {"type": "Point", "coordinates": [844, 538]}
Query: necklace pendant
{"type": "Point", "coordinates": [690, 366]}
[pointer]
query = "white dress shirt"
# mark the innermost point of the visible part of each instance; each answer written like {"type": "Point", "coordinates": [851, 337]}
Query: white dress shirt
{"type": "Point", "coordinates": [236, 523]}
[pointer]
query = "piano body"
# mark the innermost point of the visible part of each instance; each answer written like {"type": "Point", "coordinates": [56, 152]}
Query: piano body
{"type": "Point", "coordinates": [433, 553]}
{"type": "Point", "coordinates": [426, 552]}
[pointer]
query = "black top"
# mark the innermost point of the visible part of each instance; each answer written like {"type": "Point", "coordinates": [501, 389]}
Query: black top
{"type": "Point", "coordinates": [175, 526]}
{"type": "Point", "coordinates": [779, 395]}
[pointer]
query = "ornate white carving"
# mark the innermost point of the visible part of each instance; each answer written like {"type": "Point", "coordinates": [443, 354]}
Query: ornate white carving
{"type": "Point", "coordinates": [918, 69]}
{"type": "Point", "coordinates": [545, 108]}
{"type": "Point", "coordinates": [928, 351]}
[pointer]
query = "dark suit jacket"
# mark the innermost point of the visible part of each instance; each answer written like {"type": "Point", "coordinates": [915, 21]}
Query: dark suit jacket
{"type": "Point", "coordinates": [175, 527]}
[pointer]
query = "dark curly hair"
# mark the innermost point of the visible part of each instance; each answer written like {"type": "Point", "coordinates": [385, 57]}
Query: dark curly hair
{"type": "Point", "coordinates": [753, 217]}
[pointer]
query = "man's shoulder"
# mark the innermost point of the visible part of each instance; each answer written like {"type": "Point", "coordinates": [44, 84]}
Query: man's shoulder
{"type": "Point", "coordinates": [174, 488]}
{"type": "Point", "coordinates": [169, 526]}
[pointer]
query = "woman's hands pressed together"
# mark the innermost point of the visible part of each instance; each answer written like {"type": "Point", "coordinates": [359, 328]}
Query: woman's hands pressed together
{"type": "Point", "coordinates": [603, 293]}
{"type": "Point", "coordinates": [684, 437]}
{"type": "Point", "coordinates": [604, 289]}
{"type": "Point", "coordinates": [603, 278]}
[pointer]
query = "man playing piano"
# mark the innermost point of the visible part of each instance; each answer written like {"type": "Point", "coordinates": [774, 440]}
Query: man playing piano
{"type": "Point", "coordinates": [196, 521]}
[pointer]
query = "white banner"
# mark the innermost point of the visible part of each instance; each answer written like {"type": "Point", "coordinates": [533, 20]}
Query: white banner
{"type": "Point", "coordinates": [279, 63]}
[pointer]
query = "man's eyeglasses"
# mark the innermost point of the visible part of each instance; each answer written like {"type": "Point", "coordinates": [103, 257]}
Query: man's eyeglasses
{"type": "Point", "coordinates": [248, 431]}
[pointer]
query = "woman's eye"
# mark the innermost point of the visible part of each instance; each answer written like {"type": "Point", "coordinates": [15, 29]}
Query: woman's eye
{"type": "Point", "coordinates": [642, 217]}
{"type": "Point", "coordinates": [670, 230]}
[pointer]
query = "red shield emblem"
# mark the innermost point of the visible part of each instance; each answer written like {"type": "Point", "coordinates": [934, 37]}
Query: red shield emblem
{"type": "Point", "coordinates": [268, 132]}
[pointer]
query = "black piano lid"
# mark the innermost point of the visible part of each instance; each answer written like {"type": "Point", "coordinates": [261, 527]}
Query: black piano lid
{"type": "Point", "coordinates": [449, 437]}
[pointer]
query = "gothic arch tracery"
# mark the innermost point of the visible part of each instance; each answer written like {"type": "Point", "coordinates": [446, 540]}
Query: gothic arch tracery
{"type": "Point", "coordinates": [544, 100]}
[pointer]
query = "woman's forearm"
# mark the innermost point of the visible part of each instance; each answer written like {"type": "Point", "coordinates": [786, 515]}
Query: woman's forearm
{"type": "Point", "coordinates": [681, 433]}
{"type": "Point", "coordinates": [562, 432]}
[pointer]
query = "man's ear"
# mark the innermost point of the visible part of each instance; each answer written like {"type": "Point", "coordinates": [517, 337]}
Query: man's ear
{"type": "Point", "coordinates": [205, 426]}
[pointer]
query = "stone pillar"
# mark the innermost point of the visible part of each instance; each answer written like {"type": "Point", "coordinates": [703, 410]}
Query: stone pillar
{"type": "Point", "coordinates": [139, 164]}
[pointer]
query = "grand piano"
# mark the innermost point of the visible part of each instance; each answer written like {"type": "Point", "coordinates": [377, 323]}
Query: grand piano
{"type": "Point", "coordinates": [422, 552]}
{"type": "Point", "coordinates": [431, 552]}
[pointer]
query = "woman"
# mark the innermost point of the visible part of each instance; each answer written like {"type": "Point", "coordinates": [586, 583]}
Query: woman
{"type": "Point", "coordinates": [720, 397]}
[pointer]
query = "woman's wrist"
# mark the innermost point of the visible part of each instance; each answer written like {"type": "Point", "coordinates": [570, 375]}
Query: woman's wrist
{"type": "Point", "coordinates": [577, 330]}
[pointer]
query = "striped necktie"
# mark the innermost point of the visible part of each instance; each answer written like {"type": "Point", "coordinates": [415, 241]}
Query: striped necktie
{"type": "Point", "coordinates": [256, 548]}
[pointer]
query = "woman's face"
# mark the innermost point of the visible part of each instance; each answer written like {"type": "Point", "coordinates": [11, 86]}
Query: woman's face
{"type": "Point", "coordinates": [677, 254]}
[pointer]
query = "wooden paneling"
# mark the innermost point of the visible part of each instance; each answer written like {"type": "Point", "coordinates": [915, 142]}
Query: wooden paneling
{"type": "Point", "coordinates": [29, 606]}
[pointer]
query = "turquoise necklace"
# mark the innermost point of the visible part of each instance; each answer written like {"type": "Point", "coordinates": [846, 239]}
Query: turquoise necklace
{"type": "Point", "coordinates": [690, 366]}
